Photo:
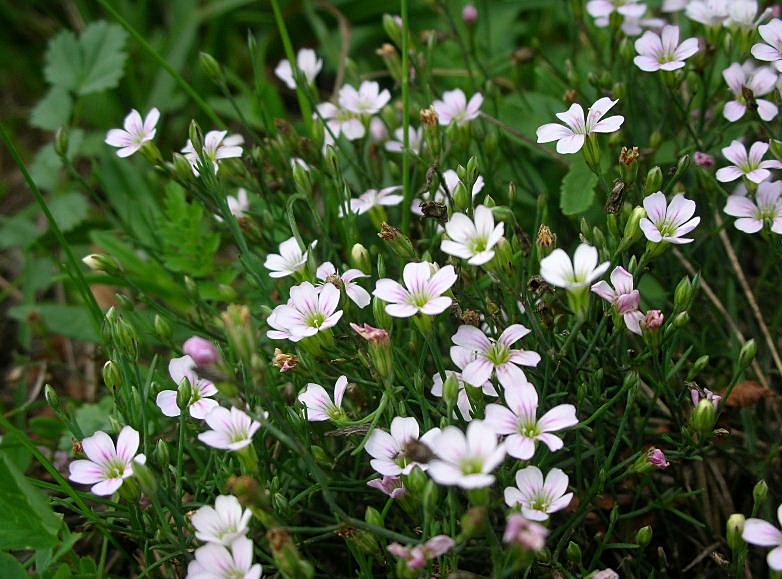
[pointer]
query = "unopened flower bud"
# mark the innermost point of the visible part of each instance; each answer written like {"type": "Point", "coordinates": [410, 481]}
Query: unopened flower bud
{"type": "Point", "coordinates": [359, 258]}
{"type": "Point", "coordinates": [654, 181]}
{"type": "Point", "coordinates": [653, 321]}
{"type": "Point", "coordinates": [704, 417]}
{"type": "Point", "coordinates": [470, 14]}
{"type": "Point", "coordinates": [184, 394]}
{"type": "Point", "coordinates": [182, 167]}
{"type": "Point", "coordinates": [733, 531]}
{"type": "Point", "coordinates": [61, 138]}
{"type": "Point", "coordinates": [162, 328]}
{"type": "Point", "coordinates": [145, 477]}
{"type": "Point", "coordinates": [286, 556]}
{"type": "Point", "coordinates": [681, 320]}
{"type": "Point", "coordinates": [210, 67]}
{"type": "Point", "coordinates": [102, 263]}
{"type": "Point", "coordinates": [747, 354]}
{"type": "Point", "coordinates": [203, 352]}
{"type": "Point", "coordinates": [53, 399]}
{"type": "Point", "coordinates": [398, 241]}
{"type": "Point", "coordinates": [196, 137]}
{"type": "Point", "coordinates": [474, 522]}
{"type": "Point", "coordinates": [112, 377]}
{"type": "Point", "coordinates": [382, 319]}
{"type": "Point", "coordinates": [393, 27]}
{"type": "Point", "coordinates": [573, 553]}
{"type": "Point", "coordinates": [632, 231]}
{"type": "Point", "coordinates": [373, 517]}
{"type": "Point", "coordinates": [451, 390]}
{"type": "Point", "coordinates": [161, 455]}
{"type": "Point", "coordinates": [416, 482]}
{"type": "Point", "coordinates": [704, 160]}
{"type": "Point", "coordinates": [301, 177]}
{"type": "Point", "coordinates": [759, 493]}
{"type": "Point", "coordinates": [643, 536]}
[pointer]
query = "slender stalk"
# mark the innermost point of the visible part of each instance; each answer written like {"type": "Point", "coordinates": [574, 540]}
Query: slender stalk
{"type": "Point", "coordinates": [406, 191]}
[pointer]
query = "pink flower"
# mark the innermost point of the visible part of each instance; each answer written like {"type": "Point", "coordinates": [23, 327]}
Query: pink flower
{"type": "Point", "coordinates": [488, 356]}
{"type": "Point", "coordinates": [214, 561]}
{"type": "Point", "coordinates": [387, 197]}
{"type": "Point", "coordinates": [473, 240]}
{"type": "Point", "coordinates": [751, 166]}
{"type": "Point", "coordinates": [708, 12]}
{"type": "Point", "coordinates": [704, 160]}
{"type": "Point", "coordinates": [422, 292]}
{"type": "Point", "coordinates": [697, 394]}
{"type": "Point", "coordinates": [416, 140]}
{"type": "Point", "coordinates": [470, 14]}
{"type": "Point", "coordinates": [389, 451]}
{"type": "Point", "coordinates": [318, 402]}
{"type": "Point", "coordinates": [340, 121]}
{"type": "Point", "coordinates": [327, 273]}
{"type": "Point", "coordinates": [653, 320]}
{"type": "Point", "coordinates": [309, 310]}
{"type": "Point", "coordinates": [668, 222]}
{"type": "Point", "coordinates": [200, 403]}
{"type": "Point", "coordinates": [454, 107]}
{"type": "Point", "coordinates": [605, 574]}
{"type": "Point", "coordinates": [759, 532]}
{"type": "Point", "coordinates": [218, 145]}
{"type": "Point", "coordinates": [231, 430]}
{"type": "Point", "coordinates": [572, 136]}
{"type": "Point", "coordinates": [771, 49]}
{"type": "Point", "coordinates": [203, 352]}
{"type": "Point", "coordinates": [663, 52]}
{"type": "Point", "coordinates": [367, 100]}
{"type": "Point", "coordinates": [417, 557]}
{"type": "Point", "coordinates": [371, 334]}
{"type": "Point", "coordinates": [622, 297]}
{"type": "Point", "coordinates": [539, 498]}
{"type": "Point", "coordinates": [135, 132]}
{"type": "Point", "coordinates": [520, 421]}
{"type": "Point", "coordinates": [389, 485]}
{"type": "Point", "coordinates": [466, 461]}
{"type": "Point", "coordinates": [289, 261]}
{"type": "Point", "coordinates": [765, 209]}
{"type": "Point", "coordinates": [759, 81]}
{"type": "Point", "coordinates": [307, 62]}
{"type": "Point", "coordinates": [107, 467]}
{"type": "Point", "coordinates": [527, 534]}
{"type": "Point", "coordinates": [657, 459]}
{"type": "Point", "coordinates": [601, 10]}
{"type": "Point", "coordinates": [223, 523]}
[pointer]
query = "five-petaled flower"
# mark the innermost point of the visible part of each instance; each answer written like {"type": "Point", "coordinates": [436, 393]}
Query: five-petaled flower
{"type": "Point", "coordinates": [367, 100]}
{"type": "Point", "coordinates": [487, 356]}
{"type": "Point", "coordinates": [473, 239]}
{"type": "Point", "coordinates": [327, 273]}
{"type": "Point", "coordinates": [663, 52]}
{"type": "Point", "coordinates": [571, 136]}
{"type": "Point", "coordinates": [752, 166]}
{"type": "Point", "coordinates": [771, 49]}
{"type": "Point", "coordinates": [422, 291]}
{"type": "Point", "coordinates": [319, 405]}
{"type": "Point", "coordinates": [107, 466]}
{"type": "Point", "coordinates": [668, 222]}
{"type": "Point", "coordinates": [539, 498]}
{"type": "Point", "coordinates": [231, 430]}
{"type": "Point", "coordinates": [765, 209]}
{"type": "Point", "coordinates": [417, 557]}
{"type": "Point", "coordinates": [289, 261]}
{"type": "Point", "coordinates": [388, 196]}
{"type": "Point", "coordinates": [223, 523]}
{"type": "Point", "coordinates": [466, 460]}
{"type": "Point", "coordinates": [201, 390]}
{"type": "Point", "coordinates": [415, 140]}
{"type": "Point", "coordinates": [215, 561]}
{"type": "Point", "coordinates": [309, 310]}
{"type": "Point", "coordinates": [454, 108]}
{"type": "Point", "coordinates": [558, 270]}
{"type": "Point", "coordinates": [135, 132]}
{"type": "Point", "coordinates": [759, 81]}
{"type": "Point", "coordinates": [391, 452]}
{"type": "Point", "coordinates": [307, 62]}
{"type": "Point", "coordinates": [519, 420]}
{"type": "Point", "coordinates": [623, 297]}
{"type": "Point", "coordinates": [218, 145]}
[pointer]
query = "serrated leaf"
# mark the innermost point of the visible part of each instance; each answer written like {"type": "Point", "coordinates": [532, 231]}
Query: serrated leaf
{"type": "Point", "coordinates": [63, 61]}
{"type": "Point", "coordinates": [69, 210]}
{"type": "Point", "coordinates": [578, 188]}
{"type": "Point", "coordinates": [52, 111]}
{"type": "Point", "coordinates": [103, 57]}
{"type": "Point", "coordinates": [28, 520]}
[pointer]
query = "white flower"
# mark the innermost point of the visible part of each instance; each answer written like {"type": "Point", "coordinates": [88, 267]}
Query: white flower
{"type": "Point", "coordinates": [213, 561]}
{"type": "Point", "coordinates": [454, 107]}
{"type": "Point", "coordinates": [217, 146]}
{"type": "Point", "coordinates": [601, 10]}
{"type": "Point", "coordinates": [539, 498]}
{"type": "Point", "coordinates": [519, 420]}
{"type": "Point", "coordinates": [669, 222]}
{"type": "Point", "coordinates": [771, 49]}
{"type": "Point", "coordinates": [708, 12]}
{"type": "Point", "coordinates": [289, 261]}
{"type": "Point", "coordinates": [223, 523]}
{"type": "Point", "coordinates": [624, 298]}
{"type": "Point", "coordinates": [136, 132]}
{"type": "Point", "coordinates": [423, 291]}
{"type": "Point", "coordinates": [367, 100]}
{"type": "Point", "coordinates": [107, 466]}
{"type": "Point", "coordinates": [559, 271]}
{"type": "Point", "coordinates": [447, 189]}
{"type": "Point", "coordinates": [240, 204]}
{"type": "Point", "coordinates": [765, 209]}
{"type": "Point", "coordinates": [470, 239]}
{"type": "Point", "coordinates": [319, 404]}
{"type": "Point", "coordinates": [309, 310]}
{"type": "Point", "coordinates": [759, 81]}
{"type": "Point", "coordinates": [462, 399]}
{"type": "Point", "coordinates": [375, 198]}
{"type": "Point", "coordinates": [487, 356]}
{"type": "Point", "coordinates": [231, 430]}
{"type": "Point", "coordinates": [327, 273]}
{"type": "Point", "coordinates": [763, 534]}
{"type": "Point", "coordinates": [341, 122]}
{"type": "Point", "coordinates": [415, 140]}
{"type": "Point", "coordinates": [307, 62]}
{"type": "Point", "coordinates": [572, 135]}
{"type": "Point", "coordinates": [466, 461]}
{"type": "Point", "coordinates": [389, 451]}
{"type": "Point", "coordinates": [752, 166]}
{"type": "Point", "coordinates": [200, 403]}
{"type": "Point", "coordinates": [741, 14]}
{"type": "Point", "coordinates": [663, 52]}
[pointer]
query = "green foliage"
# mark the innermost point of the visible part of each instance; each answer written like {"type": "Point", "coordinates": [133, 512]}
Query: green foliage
{"type": "Point", "coordinates": [578, 188]}
{"type": "Point", "coordinates": [189, 245]}
{"type": "Point", "coordinates": [11, 568]}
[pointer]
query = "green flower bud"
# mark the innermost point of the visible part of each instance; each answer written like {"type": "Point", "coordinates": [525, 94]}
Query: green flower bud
{"type": "Point", "coordinates": [644, 536]}
{"type": "Point", "coordinates": [359, 258]}
{"type": "Point", "coordinates": [373, 517]}
{"type": "Point", "coordinates": [182, 167]}
{"type": "Point", "coordinates": [697, 367]}
{"type": "Point", "coordinates": [146, 478]}
{"type": "Point", "coordinates": [654, 181]}
{"type": "Point", "coordinates": [286, 556]}
{"type": "Point", "coordinates": [184, 394]}
{"type": "Point", "coordinates": [196, 137]}
{"type": "Point", "coordinates": [416, 482]}
{"type": "Point", "coordinates": [747, 354]}
{"type": "Point", "coordinates": [61, 139]}
{"type": "Point", "coordinates": [682, 295]}
{"type": "Point", "coordinates": [393, 28]}
{"type": "Point", "coordinates": [301, 177]}
{"type": "Point", "coordinates": [161, 455]}
{"type": "Point", "coordinates": [573, 553]}
{"type": "Point", "coordinates": [759, 493]}
{"type": "Point", "coordinates": [704, 417]}
{"type": "Point", "coordinates": [162, 328]}
{"type": "Point", "coordinates": [474, 522]}
{"type": "Point", "coordinates": [210, 67]}
{"type": "Point", "coordinates": [632, 230]}
{"type": "Point", "coordinates": [382, 319]}
{"type": "Point", "coordinates": [733, 531]}
{"type": "Point", "coordinates": [451, 390]}
{"type": "Point", "coordinates": [320, 455]}
{"type": "Point", "coordinates": [53, 399]}
{"type": "Point", "coordinates": [102, 263]}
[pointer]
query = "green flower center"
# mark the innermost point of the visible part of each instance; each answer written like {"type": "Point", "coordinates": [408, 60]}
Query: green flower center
{"type": "Point", "coordinates": [115, 468]}
{"type": "Point", "coordinates": [316, 319]}
{"type": "Point", "coordinates": [472, 466]}
{"type": "Point", "coordinates": [498, 354]}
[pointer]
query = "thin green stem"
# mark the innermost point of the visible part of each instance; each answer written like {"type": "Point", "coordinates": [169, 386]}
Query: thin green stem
{"type": "Point", "coordinates": [406, 190]}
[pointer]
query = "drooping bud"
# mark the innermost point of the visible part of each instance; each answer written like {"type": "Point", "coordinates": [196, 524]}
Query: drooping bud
{"type": "Point", "coordinates": [203, 352]}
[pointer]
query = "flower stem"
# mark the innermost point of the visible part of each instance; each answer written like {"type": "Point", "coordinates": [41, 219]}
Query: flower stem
{"type": "Point", "coordinates": [406, 190]}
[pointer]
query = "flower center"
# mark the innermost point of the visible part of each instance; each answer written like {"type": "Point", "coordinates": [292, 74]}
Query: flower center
{"type": "Point", "coordinates": [420, 298]}
{"type": "Point", "coordinates": [529, 429]}
{"type": "Point", "coordinates": [472, 466]}
{"type": "Point", "coordinates": [315, 319]}
{"type": "Point", "coordinates": [478, 244]}
{"type": "Point", "coordinates": [540, 503]}
{"type": "Point", "coordinates": [667, 228]}
{"type": "Point", "coordinates": [115, 468]}
{"type": "Point", "coordinates": [498, 354]}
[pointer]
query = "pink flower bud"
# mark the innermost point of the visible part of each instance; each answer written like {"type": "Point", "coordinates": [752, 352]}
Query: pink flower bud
{"type": "Point", "coordinates": [703, 160]}
{"type": "Point", "coordinates": [654, 320]}
{"type": "Point", "coordinates": [657, 459]}
{"type": "Point", "coordinates": [470, 14]}
{"type": "Point", "coordinates": [203, 352]}
{"type": "Point", "coordinates": [525, 533]}
{"type": "Point", "coordinates": [371, 334]}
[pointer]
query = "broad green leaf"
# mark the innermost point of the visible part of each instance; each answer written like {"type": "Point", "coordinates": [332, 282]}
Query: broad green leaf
{"type": "Point", "coordinates": [11, 568]}
{"type": "Point", "coordinates": [12, 447]}
{"type": "Point", "coordinates": [103, 57]}
{"type": "Point", "coordinates": [65, 320]}
{"type": "Point", "coordinates": [52, 111]}
{"type": "Point", "coordinates": [63, 61]}
{"type": "Point", "coordinates": [18, 231]}
{"type": "Point", "coordinates": [28, 521]}
{"type": "Point", "coordinates": [578, 188]}
{"type": "Point", "coordinates": [69, 210]}
{"type": "Point", "coordinates": [90, 418]}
